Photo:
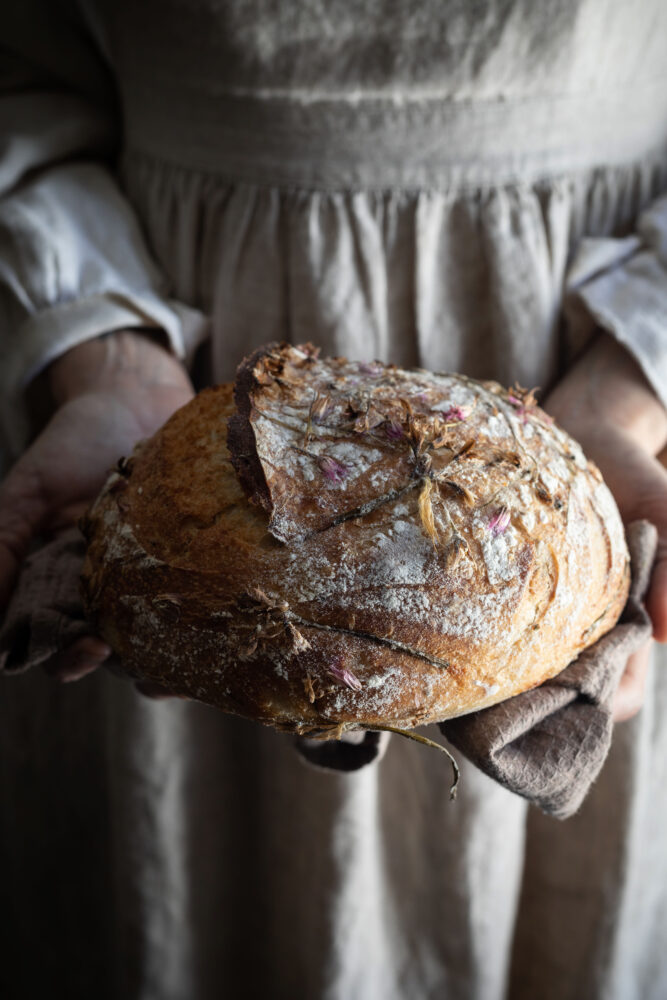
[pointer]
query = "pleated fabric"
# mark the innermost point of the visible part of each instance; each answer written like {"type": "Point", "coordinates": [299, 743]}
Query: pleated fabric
{"type": "Point", "coordinates": [465, 187]}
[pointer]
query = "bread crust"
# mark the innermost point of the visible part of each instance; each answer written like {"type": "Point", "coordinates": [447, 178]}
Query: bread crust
{"type": "Point", "coordinates": [368, 547]}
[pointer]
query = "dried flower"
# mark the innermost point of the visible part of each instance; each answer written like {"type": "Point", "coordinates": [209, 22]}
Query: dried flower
{"type": "Point", "coordinates": [460, 491]}
{"type": "Point", "coordinates": [311, 352]}
{"type": "Point", "coordinates": [393, 430]}
{"type": "Point", "coordinates": [468, 446]}
{"type": "Point", "coordinates": [455, 414]}
{"type": "Point", "coordinates": [457, 547]}
{"type": "Point", "coordinates": [439, 442]}
{"type": "Point", "coordinates": [543, 493]}
{"type": "Point", "coordinates": [523, 397]}
{"type": "Point", "coordinates": [254, 597]}
{"type": "Point", "coordinates": [320, 409]}
{"type": "Point", "coordinates": [499, 522]}
{"type": "Point", "coordinates": [420, 431]}
{"type": "Point", "coordinates": [372, 368]}
{"type": "Point", "coordinates": [426, 511]}
{"type": "Point", "coordinates": [332, 470]}
{"type": "Point", "coordinates": [423, 465]}
{"type": "Point", "coordinates": [523, 401]}
{"type": "Point", "coordinates": [368, 420]}
{"type": "Point", "coordinates": [344, 676]}
{"type": "Point", "coordinates": [245, 652]}
{"type": "Point", "coordinates": [299, 642]}
{"type": "Point", "coordinates": [309, 687]}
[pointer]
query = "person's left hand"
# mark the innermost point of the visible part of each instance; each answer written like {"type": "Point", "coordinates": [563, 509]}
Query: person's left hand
{"type": "Point", "coordinates": [608, 406]}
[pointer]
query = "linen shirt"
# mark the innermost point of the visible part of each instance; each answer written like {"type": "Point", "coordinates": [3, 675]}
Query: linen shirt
{"type": "Point", "coordinates": [460, 186]}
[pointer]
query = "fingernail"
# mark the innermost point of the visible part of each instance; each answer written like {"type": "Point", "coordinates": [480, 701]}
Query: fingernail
{"type": "Point", "coordinates": [92, 648]}
{"type": "Point", "coordinates": [76, 675]}
{"type": "Point", "coordinates": [79, 667]}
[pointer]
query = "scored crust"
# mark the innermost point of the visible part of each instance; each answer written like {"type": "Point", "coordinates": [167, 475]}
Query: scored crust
{"type": "Point", "coordinates": [331, 545]}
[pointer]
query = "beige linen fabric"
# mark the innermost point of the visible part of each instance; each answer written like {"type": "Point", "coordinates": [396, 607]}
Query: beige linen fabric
{"type": "Point", "coordinates": [404, 181]}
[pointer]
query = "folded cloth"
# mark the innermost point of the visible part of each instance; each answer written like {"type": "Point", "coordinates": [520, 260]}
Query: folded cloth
{"type": "Point", "coordinates": [547, 744]}
{"type": "Point", "coordinates": [45, 614]}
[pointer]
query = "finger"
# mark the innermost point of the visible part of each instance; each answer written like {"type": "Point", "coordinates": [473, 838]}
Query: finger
{"type": "Point", "coordinates": [151, 689]}
{"type": "Point", "coordinates": [656, 600]}
{"type": "Point", "coordinates": [629, 696]}
{"type": "Point", "coordinates": [79, 659]}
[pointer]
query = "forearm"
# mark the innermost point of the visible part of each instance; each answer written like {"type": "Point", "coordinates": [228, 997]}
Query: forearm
{"type": "Point", "coordinates": [116, 361]}
{"type": "Point", "coordinates": [132, 366]}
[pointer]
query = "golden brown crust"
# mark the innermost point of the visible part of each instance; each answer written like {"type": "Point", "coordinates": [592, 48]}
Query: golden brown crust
{"type": "Point", "coordinates": [394, 548]}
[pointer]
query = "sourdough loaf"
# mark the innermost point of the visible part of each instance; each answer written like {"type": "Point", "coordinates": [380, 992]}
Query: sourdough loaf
{"type": "Point", "coordinates": [330, 545]}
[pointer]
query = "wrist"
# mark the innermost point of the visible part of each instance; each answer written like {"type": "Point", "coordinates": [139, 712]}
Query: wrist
{"type": "Point", "coordinates": [118, 362]}
{"type": "Point", "coordinates": [606, 389]}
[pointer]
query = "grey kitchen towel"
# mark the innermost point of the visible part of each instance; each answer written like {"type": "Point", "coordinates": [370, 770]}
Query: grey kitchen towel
{"type": "Point", "coordinates": [45, 614]}
{"type": "Point", "coordinates": [547, 744]}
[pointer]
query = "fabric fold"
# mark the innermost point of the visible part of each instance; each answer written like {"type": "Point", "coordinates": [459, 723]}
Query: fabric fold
{"type": "Point", "coordinates": [620, 285]}
{"type": "Point", "coordinates": [75, 267]}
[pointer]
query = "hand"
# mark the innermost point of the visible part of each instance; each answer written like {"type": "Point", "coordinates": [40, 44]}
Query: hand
{"type": "Point", "coordinates": [606, 403]}
{"type": "Point", "coordinates": [109, 393]}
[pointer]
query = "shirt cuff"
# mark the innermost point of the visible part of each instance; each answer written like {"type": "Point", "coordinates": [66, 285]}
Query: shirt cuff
{"type": "Point", "coordinates": [621, 287]}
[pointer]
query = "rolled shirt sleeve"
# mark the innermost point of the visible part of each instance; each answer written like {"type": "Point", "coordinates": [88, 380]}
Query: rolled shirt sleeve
{"type": "Point", "coordinates": [73, 260]}
{"type": "Point", "coordinates": [620, 285]}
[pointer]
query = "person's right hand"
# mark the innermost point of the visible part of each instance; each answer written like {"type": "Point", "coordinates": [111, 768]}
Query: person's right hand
{"type": "Point", "coordinates": [109, 393]}
{"type": "Point", "coordinates": [607, 404]}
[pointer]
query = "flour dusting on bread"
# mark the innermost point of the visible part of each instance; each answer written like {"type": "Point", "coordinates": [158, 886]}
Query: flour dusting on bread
{"type": "Point", "coordinates": [330, 545]}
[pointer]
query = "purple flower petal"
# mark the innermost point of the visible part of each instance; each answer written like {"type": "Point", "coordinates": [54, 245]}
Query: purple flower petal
{"type": "Point", "coordinates": [455, 414]}
{"type": "Point", "coordinates": [499, 522]}
{"type": "Point", "coordinates": [393, 430]}
{"type": "Point", "coordinates": [373, 368]}
{"type": "Point", "coordinates": [345, 676]}
{"type": "Point", "coordinates": [332, 470]}
{"type": "Point", "coordinates": [520, 408]}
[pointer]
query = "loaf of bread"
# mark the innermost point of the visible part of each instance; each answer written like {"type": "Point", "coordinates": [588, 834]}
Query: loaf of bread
{"type": "Point", "coordinates": [330, 545]}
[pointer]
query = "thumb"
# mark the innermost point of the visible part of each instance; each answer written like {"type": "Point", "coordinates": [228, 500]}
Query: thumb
{"type": "Point", "coordinates": [23, 509]}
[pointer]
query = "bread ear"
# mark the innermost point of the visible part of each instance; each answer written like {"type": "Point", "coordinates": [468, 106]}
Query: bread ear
{"type": "Point", "coordinates": [299, 442]}
{"type": "Point", "coordinates": [240, 434]}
